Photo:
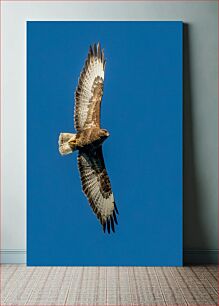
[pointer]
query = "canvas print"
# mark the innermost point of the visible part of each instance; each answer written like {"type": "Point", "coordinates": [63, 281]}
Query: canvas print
{"type": "Point", "coordinates": [104, 143]}
{"type": "Point", "coordinates": [89, 138]}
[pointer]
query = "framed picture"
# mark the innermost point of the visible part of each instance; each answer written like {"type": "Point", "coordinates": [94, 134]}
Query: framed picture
{"type": "Point", "coordinates": [114, 194]}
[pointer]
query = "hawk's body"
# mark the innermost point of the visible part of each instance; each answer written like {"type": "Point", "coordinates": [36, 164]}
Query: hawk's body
{"type": "Point", "coordinates": [88, 141]}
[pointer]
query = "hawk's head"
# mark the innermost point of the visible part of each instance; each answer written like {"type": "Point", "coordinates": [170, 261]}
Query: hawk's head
{"type": "Point", "coordinates": [104, 133]}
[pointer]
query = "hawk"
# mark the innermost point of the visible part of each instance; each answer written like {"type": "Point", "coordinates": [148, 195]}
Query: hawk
{"type": "Point", "coordinates": [89, 139]}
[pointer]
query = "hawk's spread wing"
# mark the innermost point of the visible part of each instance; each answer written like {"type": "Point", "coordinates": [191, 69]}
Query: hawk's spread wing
{"type": "Point", "coordinates": [89, 91]}
{"type": "Point", "coordinates": [96, 186]}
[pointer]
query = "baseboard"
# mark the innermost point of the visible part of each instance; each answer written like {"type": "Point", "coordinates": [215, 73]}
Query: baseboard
{"type": "Point", "coordinates": [200, 257]}
{"type": "Point", "coordinates": [12, 256]}
{"type": "Point", "coordinates": [195, 257]}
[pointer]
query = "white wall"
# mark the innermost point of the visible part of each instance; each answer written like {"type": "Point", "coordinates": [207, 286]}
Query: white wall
{"type": "Point", "coordinates": [200, 108]}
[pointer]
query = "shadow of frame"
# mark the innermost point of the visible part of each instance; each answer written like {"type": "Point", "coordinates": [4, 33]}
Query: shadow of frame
{"type": "Point", "coordinates": [192, 223]}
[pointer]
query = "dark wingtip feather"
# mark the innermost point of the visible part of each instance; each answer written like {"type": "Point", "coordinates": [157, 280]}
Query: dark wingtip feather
{"type": "Point", "coordinates": [116, 209]}
{"type": "Point", "coordinates": [95, 50]}
{"type": "Point", "coordinates": [114, 217]}
{"type": "Point", "coordinates": [91, 50]}
{"type": "Point", "coordinates": [108, 225]}
{"type": "Point", "coordinates": [102, 56]}
{"type": "Point", "coordinates": [112, 224]}
{"type": "Point", "coordinates": [104, 227]}
{"type": "Point", "coordinates": [98, 51]}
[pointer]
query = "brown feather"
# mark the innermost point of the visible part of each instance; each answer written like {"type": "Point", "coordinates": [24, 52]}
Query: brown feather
{"type": "Point", "coordinates": [94, 177]}
{"type": "Point", "coordinates": [88, 96]}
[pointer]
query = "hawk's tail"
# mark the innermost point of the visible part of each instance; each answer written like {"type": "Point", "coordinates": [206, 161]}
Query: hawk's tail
{"type": "Point", "coordinates": [67, 143]}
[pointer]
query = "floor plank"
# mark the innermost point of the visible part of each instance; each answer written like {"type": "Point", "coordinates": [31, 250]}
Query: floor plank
{"type": "Point", "coordinates": [101, 286]}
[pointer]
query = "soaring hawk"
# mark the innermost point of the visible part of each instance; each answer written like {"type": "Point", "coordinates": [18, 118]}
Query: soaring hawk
{"type": "Point", "coordinates": [89, 138]}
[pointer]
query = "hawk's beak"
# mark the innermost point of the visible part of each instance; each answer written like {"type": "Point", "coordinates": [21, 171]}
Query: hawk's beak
{"type": "Point", "coordinates": [107, 134]}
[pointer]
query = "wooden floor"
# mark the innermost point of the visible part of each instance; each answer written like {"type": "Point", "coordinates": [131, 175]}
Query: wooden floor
{"type": "Point", "coordinates": [108, 285]}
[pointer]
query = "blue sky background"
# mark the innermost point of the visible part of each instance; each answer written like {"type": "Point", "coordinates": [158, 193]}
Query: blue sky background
{"type": "Point", "coordinates": [142, 109]}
